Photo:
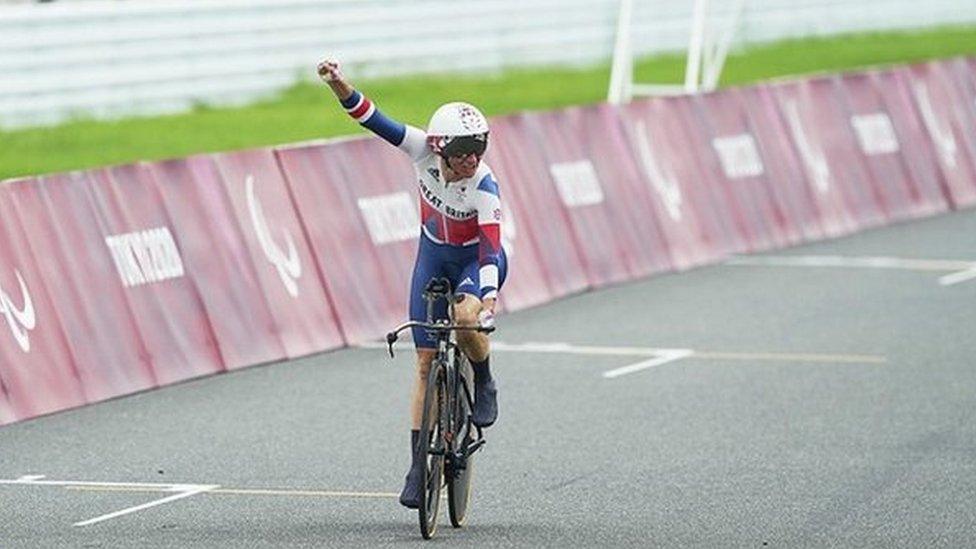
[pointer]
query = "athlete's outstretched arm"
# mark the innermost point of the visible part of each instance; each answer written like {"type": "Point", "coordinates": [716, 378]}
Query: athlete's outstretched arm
{"type": "Point", "coordinates": [411, 140]}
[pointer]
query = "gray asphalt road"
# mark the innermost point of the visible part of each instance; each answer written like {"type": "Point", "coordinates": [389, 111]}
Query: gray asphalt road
{"type": "Point", "coordinates": [822, 406]}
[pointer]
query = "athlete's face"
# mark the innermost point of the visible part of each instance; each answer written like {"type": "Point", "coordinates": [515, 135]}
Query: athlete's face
{"type": "Point", "coordinates": [464, 166]}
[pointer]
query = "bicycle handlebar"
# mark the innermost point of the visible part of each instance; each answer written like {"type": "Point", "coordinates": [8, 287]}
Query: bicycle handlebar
{"type": "Point", "coordinates": [392, 337]}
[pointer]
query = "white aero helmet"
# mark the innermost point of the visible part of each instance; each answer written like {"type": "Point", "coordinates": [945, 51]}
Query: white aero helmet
{"type": "Point", "coordinates": [457, 129]}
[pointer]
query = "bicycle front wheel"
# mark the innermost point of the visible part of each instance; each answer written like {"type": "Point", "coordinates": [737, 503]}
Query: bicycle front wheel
{"type": "Point", "coordinates": [432, 442]}
{"type": "Point", "coordinates": [459, 485]}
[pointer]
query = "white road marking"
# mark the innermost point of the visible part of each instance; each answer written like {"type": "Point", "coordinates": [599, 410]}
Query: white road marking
{"type": "Point", "coordinates": [845, 261]}
{"type": "Point", "coordinates": [955, 278]}
{"type": "Point", "coordinates": [118, 489]}
{"type": "Point", "coordinates": [28, 478]}
{"type": "Point", "coordinates": [659, 356]}
{"type": "Point", "coordinates": [792, 357]}
{"type": "Point", "coordinates": [311, 493]}
{"type": "Point", "coordinates": [966, 269]}
{"type": "Point", "coordinates": [546, 347]}
{"type": "Point", "coordinates": [667, 355]}
{"type": "Point", "coordinates": [184, 491]}
{"type": "Point", "coordinates": [167, 487]}
{"type": "Point", "coordinates": [249, 492]}
{"type": "Point", "coordinates": [192, 490]}
{"type": "Point", "coordinates": [566, 348]}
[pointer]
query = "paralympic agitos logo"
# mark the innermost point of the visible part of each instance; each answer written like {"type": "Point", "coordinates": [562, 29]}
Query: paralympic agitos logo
{"type": "Point", "coordinates": [288, 264]}
{"type": "Point", "coordinates": [20, 320]}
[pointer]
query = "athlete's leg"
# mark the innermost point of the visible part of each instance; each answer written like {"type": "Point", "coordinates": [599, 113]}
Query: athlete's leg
{"type": "Point", "coordinates": [474, 344]}
{"type": "Point", "coordinates": [424, 358]}
{"type": "Point", "coordinates": [426, 268]}
{"type": "Point", "coordinates": [429, 265]}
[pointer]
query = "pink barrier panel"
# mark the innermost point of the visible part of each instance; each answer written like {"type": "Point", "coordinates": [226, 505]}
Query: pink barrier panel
{"type": "Point", "coordinates": [527, 187]}
{"type": "Point", "coordinates": [526, 284]}
{"type": "Point", "coordinates": [37, 374]}
{"type": "Point", "coordinates": [952, 134]}
{"type": "Point", "coordinates": [962, 72]}
{"type": "Point", "coordinates": [602, 192]}
{"type": "Point", "coordinates": [274, 235]}
{"type": "Point", "coordinates": [790, 171]}
{"type": "Point", "coordinates": [884, 142]}
{"type": "Point", "coordinates": [358, 201]}
{"type": "Point", "coordinates": [823, 139]}
{"type": "Point", "coordinates": [900, 93]}
{"type": "Point", "coordinates": [951, 121]}
{"type": "Point", "coordinates": [217, 260]}
{"type": "Point", "coordinates": [735, 163]}
{"type": "Point", "coordinates": [728, 221]}
{"type": "Point", "coordinates": [682, 206]}
{"type": "Point", "coordinates": [83, 283]}
{"type": "Point", "coordinates": [162, 300]}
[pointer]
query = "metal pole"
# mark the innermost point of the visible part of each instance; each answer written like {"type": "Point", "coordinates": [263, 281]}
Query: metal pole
{"type": "Point", "coordinates": [693, 68]}
{"type": "Point", "coordinates": [622, 70]}
{"type": "Point", "coordinates": [714, 72]}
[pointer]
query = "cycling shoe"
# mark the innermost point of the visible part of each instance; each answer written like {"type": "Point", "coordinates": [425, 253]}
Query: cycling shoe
{"type": "Point", "coordinates": [413, 488]}
{"type": "Point", "coordinates": [485, 404]}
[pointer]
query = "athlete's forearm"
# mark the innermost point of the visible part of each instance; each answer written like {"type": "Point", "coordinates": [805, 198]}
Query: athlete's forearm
{"type": "Point", "coordinates": [330, 73]}
{"type": "Point", "coordinates": [342, 89]}
{"type": "Point", "coordinates": [365, 112]}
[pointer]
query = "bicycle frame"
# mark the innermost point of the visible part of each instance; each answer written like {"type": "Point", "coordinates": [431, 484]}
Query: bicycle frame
{"type": "Point", "coordinates": [447, 350]}
{"type": "Point", "coordinates": [457, 442]}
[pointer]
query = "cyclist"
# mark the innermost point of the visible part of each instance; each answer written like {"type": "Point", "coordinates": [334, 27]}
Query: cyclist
{"type": "Point", "coordinates": [460, 238]}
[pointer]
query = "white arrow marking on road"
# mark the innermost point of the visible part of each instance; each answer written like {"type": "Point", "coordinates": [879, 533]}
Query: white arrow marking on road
{"type": "Point", "coordinates": [666, 355]}
{"type": "Point", "coordinates": [190, 491]}
{"type": "Point", "coordinates": [185, 491]}
{"type": "Point", "coordinates": [955, 278]}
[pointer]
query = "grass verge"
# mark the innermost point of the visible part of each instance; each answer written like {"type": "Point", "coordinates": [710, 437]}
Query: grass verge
{"type": "Point", "coordinates": [307, 111]}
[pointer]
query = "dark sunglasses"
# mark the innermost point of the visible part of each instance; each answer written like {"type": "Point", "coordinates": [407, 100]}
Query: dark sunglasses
{"type": "Point", "coordinates": [465, 145]}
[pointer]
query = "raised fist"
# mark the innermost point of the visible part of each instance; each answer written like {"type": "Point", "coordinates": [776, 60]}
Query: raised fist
{"type": "Point", "coordinates": [329, 70]}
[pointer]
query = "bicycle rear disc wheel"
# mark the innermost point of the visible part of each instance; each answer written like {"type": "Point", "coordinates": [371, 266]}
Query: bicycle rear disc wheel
{"type": "Point", "coordinates": [432, 440]}
{"type": "Point", "coordinates": [459, 486]}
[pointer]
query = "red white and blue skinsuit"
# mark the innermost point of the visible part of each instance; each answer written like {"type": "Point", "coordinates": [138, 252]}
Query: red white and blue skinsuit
{"type": "Point", "coordinates": [460, 221]}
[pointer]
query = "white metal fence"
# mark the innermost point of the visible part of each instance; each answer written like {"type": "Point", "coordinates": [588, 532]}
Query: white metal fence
{"type": "Point", "coordinates": [107, 59]}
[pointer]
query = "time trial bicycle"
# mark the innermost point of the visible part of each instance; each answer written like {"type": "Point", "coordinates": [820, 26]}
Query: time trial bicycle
{"type": "Point", "coordinates": [448, 438]}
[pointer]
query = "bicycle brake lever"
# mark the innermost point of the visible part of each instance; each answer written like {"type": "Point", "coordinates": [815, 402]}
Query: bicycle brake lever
{"type": "Point", "coordinates": [391, 338]}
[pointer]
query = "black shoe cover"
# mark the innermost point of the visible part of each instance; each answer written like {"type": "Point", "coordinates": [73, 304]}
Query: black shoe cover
{"type": "Point", "coordinates": [413, 486]}
{"type": "Point", "coordinates": [485, 404]}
